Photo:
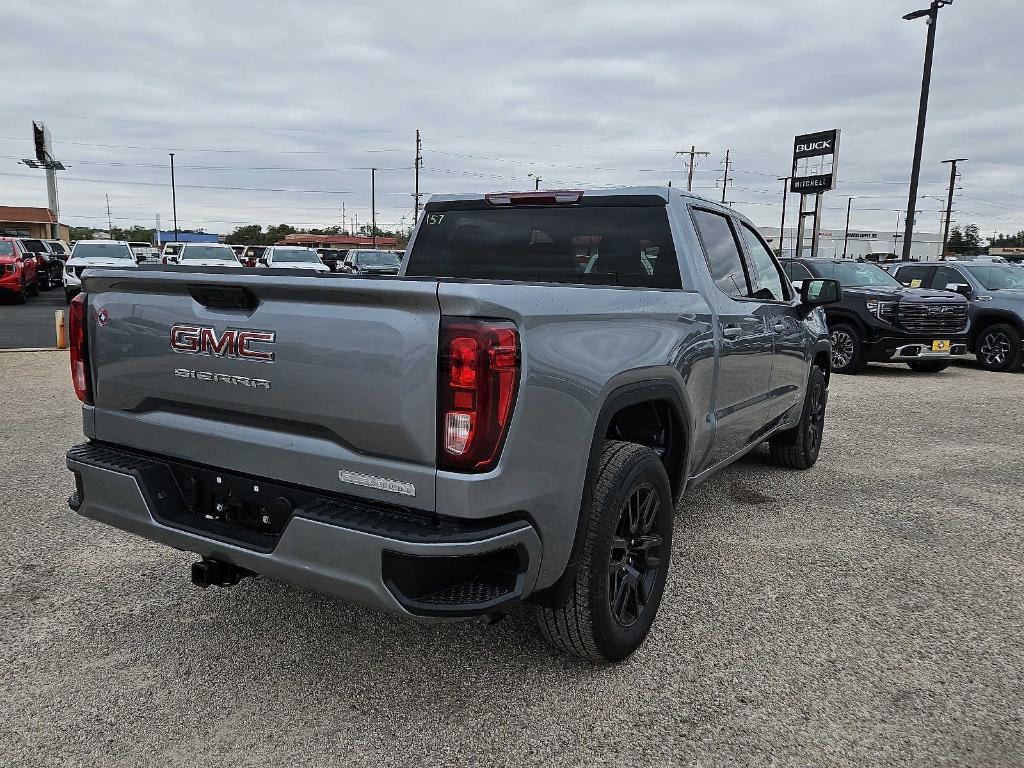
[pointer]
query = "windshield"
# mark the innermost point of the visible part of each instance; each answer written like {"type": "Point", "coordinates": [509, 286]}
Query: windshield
{"type": "Point", "coordinates": [34, 246]}
{"type": "Point", "coordinates": [207, 253]}
{"type": "Point", "coordinates": [377, 259]}
{"type": "Point", "coordinates": [855, 274]}
{"type": "Point", "coordinates": [6, 248]}
{"type": "Point", "coordinates": [102, 251]}
{"type": "Point", "coordinates": [295, 256]}
{"type": "Point", "coordinates": [999, 276]}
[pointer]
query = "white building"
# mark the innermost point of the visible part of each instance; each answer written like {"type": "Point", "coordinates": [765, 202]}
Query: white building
{"type": "Point", "coordinates": [860, 243]}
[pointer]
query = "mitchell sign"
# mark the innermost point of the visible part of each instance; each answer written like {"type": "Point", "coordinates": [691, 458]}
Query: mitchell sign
{"type": "Point", "coordinates": [815, 156]}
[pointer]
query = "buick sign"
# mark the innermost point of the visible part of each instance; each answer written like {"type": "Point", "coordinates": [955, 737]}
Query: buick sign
{"type": "Point", "coordinates": [814, 162]}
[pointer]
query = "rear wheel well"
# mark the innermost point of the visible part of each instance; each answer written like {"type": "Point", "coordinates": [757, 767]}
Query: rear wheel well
{"type": "Point", "coordinates": [655, 424]}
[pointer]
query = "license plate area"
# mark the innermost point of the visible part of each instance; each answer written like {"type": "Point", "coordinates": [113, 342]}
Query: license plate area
{"type": "Point", "coordinates": [941, 345]}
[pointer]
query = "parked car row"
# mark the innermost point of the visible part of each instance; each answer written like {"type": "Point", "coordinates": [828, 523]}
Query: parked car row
{"type": "Point", "coordinates": [923, 314]}
{"type": "Point", "coordinates": [28, 266]}
{"type": "Point", "coordinates": [106, 253]}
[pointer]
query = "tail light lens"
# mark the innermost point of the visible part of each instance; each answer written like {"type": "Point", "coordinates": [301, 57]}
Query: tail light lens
{"type": "Point", "coordinates": [79, 349]}
{"type": "Point", "coordinates": [478, 374]}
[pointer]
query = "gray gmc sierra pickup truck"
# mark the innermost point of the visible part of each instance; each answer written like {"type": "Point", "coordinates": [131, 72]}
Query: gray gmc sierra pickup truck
{"type": "Point", "coordinates": [511, 419]}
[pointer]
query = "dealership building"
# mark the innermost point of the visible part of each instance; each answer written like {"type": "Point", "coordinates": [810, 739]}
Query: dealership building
{"type": "Point", "coordinates": [860, 243]}
{"type": "Point", "coordinates": [35, 223]}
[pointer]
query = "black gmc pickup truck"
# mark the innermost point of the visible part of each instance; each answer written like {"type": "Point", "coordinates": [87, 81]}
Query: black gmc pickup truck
{"type": "Point", "coordinates": [879, 320]}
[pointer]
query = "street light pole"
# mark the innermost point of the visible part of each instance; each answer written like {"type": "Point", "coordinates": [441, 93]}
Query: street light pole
{"type": "Point", "coordinates": [174, 199]}
{"type": "Point", "coordinates": [536, 181]}
{"type": "Point", "coordinates": [932, 12]}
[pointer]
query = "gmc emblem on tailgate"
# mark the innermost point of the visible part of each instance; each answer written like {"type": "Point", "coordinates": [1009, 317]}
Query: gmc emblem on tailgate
{"type": "Point", "coordinates": [203, 340]}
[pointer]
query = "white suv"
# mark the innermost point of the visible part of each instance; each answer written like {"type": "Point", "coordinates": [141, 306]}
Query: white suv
{"type": "Point", "coordinates": [94, 253]}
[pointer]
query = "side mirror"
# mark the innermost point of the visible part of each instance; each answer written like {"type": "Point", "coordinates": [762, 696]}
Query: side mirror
{"type": "Point", "coordinates": [962, 288]}
{"type": "Point", "coordinates": [818, 293]}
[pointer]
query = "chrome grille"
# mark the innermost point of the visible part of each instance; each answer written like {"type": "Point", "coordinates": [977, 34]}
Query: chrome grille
{"type": "Point", "coordinates": [933, 318]}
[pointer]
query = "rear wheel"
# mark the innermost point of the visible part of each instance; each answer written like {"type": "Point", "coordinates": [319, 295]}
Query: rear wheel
{"type": "Point", "coordinates": [798, 448]}
{"type": "Point", "coordinates": [847, 349]}
{"type": "Point", "coordinates": [998, 348]}
{"type": "Point", "coordinates": [618, 585]}
{"type": "Point", "coordinates": [44, 282]}
{"type": "Point", "coordinates": [928, 366]}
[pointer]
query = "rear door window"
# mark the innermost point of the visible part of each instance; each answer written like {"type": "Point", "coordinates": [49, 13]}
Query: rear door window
{"type": "Point", "coordinates": [766, 275]}
{"type": "Point", "coordinates": [722, 252]}
{"type": "Point", "coordinates": [590, 244]}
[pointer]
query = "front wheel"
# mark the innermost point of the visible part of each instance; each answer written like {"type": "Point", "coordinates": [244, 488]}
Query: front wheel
{"type": "Point", "coordinates": [621, 575]}
{"type": "Point", "coordinates": [999, 348]}
{"type": "Point", "coordinates": [847, 349]}
{"type": "Point", "coordinates": [931, 366]}
{"type": "Point", "coordinates": [798, 448]}
{"type": "Point", "coordinates": [34, 287]}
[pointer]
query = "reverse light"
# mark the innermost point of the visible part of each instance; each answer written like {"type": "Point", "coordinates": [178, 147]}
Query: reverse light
{"type": "Point", "coordinates": [478, 376]}
{"type": "Point", "coordinates": [79, 349]}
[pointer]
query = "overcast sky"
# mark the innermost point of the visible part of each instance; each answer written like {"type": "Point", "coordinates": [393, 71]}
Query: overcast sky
{"type": "Point", "coordinates": [259, 100]}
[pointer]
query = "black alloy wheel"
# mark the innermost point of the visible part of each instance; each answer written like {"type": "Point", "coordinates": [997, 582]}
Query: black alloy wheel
{"type": "Point", "coordinates": [635, 556]}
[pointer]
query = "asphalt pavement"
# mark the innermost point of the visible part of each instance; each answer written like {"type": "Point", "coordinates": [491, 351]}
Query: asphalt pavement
{"type": "Point", "coordinates": [868, 612]}
{"type": "Point", "coordinates": [30, 325]}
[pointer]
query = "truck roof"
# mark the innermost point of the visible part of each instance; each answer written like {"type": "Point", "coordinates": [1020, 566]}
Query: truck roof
{"type": "Point", "coordinates": [660, 191]}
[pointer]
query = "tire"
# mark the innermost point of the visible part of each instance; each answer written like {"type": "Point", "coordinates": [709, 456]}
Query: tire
{"type": "Point", "coordinates": [44, 283]}
{"type": "Point", "coordinates": [34, 287]}
{"type": "Point", "coordinates": [847, 349]}
{"type": "Point", "coordinates": [609, 610]}
{"type": "Point", "coordinates": [68, 296]}
{"type": "Point", "coordinates": [19, 298]}
{"type": "Point", "coordinates": [798, 448]}
{"type": "Point", "coordinates": [930, 366]}
{"type": "Point", "coordinates": [998, 348]}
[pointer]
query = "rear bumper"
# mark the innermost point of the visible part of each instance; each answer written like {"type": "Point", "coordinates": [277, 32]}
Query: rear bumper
{"type": "Point", "coordinates": [392, 559]}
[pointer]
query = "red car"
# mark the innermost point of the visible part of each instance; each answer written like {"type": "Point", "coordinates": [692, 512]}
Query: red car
{"type": "Point", "coordinates": [18, 276]}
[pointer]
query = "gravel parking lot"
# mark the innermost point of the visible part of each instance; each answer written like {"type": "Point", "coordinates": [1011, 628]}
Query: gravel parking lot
{"type": "Point", "coordinates": [868, 612]}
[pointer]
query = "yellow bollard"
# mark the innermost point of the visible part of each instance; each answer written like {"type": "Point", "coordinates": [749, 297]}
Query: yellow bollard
{"type": "Point", "coordinates": [58, 321]}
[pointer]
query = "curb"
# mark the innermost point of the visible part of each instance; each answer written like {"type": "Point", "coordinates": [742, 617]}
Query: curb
{"type": "Point", "coordinates": [33, 349]}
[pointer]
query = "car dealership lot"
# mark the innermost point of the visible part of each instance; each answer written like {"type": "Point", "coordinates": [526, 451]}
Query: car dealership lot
{"type": "Point", "coordinates": [867, 612]}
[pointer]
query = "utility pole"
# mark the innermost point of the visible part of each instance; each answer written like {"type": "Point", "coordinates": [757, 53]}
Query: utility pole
{"type": "Point", "coordinates": [782, 226]}
{"type": "Point", "coordinates": [949, 201]}
{"type": "Point", "coordinates": [932, 12]}
{"type": "Point", "coordinates": [725, 178]}
{"type": "Point", "coordinates": [417, 164]}
{"type": "Point", "coordinates": [174, 199]}
{"type": "Point", "coordinates": [536, 181]}
{"type": "Point", "coordinates": [695, 157]}
{"type": "Point", "coordinates": [846, 236]}
{"type": "Point", "coordinates": [343, 224]}
{"type": "Point", "coordinates": [110, 227]}
{"type": "Point", "coordinates": [373, 205]}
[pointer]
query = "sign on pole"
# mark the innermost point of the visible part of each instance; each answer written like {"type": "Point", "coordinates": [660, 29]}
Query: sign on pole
{"type": "Point", "coordinates": [815, 157]}
{"type": "Point", "coordinates": [814, 171]}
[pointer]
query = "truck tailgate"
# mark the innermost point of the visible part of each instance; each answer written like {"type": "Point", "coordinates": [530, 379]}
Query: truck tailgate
{"type": "Point", "coordinates": [336, 390]}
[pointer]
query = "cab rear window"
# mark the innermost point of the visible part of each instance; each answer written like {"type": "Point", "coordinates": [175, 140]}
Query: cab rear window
{"type": "Point", "coordinates": [587, 245]}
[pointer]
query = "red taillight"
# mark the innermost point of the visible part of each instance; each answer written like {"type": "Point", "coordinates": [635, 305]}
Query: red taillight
{"type": "Point", "coordinates": [478, 375]}
{"type": "Point", "coordinates": [79, 349]}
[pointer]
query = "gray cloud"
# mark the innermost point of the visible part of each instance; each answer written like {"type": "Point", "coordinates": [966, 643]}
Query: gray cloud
{"type": "Point", "coordinates": [306, 96]}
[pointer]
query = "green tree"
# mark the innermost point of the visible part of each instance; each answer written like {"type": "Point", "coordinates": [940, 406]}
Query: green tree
{"type": "Point", "coordinates": [276, 233]}
{"type": "Point", "coordinates": [972, 239]}
{"type": "Point", "coordinates": [955, 244]}
{"type": "Point", "coordinates": [250, 234]}
{"type": "Point", "coordinates": [1008, 241]}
